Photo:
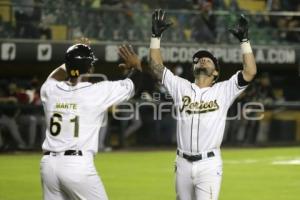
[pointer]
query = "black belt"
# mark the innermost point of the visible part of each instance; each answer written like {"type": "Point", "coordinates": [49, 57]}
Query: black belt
{"type": "Point", "coordinates": [67, 153]}
{"type": "Point", "coordinates": [193, 158]}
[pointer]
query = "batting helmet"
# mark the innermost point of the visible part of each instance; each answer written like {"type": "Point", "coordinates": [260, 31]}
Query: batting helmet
{"type": "Point", "coordinates": [202, 53]}
{"type": "Point", "coordinates": [79, 58]}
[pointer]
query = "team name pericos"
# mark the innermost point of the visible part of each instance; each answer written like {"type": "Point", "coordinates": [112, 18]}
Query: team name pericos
{"type": "Point", "coordinates": [198, 107]}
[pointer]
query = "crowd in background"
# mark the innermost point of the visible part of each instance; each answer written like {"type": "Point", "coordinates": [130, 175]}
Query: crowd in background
{"type": "Point", "coordinates": [21, 116]}
{"type": "Point", "coordinates": [22, 124]}
{"type": "Point", "coordinates": [137, 122]}
{"type": "Point", "coordinates": [118, 20]}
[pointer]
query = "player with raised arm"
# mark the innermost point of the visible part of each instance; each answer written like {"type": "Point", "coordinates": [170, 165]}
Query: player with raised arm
{"type": "Point", "coordinates": [74, 110]}
{"type": "Point", "coordinates": [201, 109]}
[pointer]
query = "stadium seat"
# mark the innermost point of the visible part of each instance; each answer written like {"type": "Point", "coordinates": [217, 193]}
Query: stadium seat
{"type": "Point", "coordinates": [59, 32]}
{"type": "Point", "coordinates": [5, 10]}
{"type": "Point", "coordinates": [251, 5]}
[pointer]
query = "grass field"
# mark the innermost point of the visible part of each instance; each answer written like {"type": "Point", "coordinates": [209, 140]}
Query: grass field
{"type": "Point", "coordinates": [249, 174]}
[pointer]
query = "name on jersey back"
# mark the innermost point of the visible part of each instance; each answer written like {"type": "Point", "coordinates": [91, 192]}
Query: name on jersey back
{"type": "Point", "coordinates": [72, 106]}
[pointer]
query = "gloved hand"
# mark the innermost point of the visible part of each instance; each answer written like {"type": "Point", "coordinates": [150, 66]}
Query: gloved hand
{"type": "Point", "coordinates": [159, 24]}
{"type": "Point", "coordinates": [240, 31]}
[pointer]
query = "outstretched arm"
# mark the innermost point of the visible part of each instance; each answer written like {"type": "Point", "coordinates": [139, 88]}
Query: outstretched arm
{"type": "Point", "coordinates": [131, 60]}
{"type": "Point", "coordinates": [159, 24]}
{"type": "Point", "coordinates": [240, 31]}
{"type": "Point", "coordinates": [132, 63]}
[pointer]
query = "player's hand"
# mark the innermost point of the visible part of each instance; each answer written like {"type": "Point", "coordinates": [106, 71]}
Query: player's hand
{"type": "Point", "coordinates": [240, 31]}
{"type": "Point", "coordinates": [159, 23]}
{"type": "Point", "coordinates": [131, 60]}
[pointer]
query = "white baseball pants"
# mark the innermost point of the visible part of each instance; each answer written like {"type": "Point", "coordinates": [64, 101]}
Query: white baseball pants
{"type": "Point", "coordinates": [199, 180]}
{"type": "Point", "coordinates": [70, 178]}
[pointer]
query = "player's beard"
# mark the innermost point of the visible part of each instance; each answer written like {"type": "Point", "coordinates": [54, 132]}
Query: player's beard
{"type": "Point", "coordinates": [198, 71]}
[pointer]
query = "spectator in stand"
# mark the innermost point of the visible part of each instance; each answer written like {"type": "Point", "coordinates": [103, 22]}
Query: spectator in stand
{"type": "Point", "coordinates": [233, 5]}
{"type": "Point", "coordinates": [137, 21]}
{"type": "Point", "coordinates": [6, 30]}
{"type": "Point", "coordinates": [180, 4]}
{"type": "Point", "coordinates": [255, 131]}
{"type": "Point", "coordinates": [204, 24]}
{"type": "Point", "coordinates": [31, 116]}
{"type": "Point", "coordinates": [293, 25]}
{"type": "Point", "coordinates": [44, 31]}
{"type": "Point", "coordinates": [264, 90]}
{"type": "Point", "coordinates": [23, 113]}
{"type": "Point", "coordinates": [27, 15]}
{"type": "Point", "coordinates": [284, 25]}
{"type": "Point", "coordinates": [287, 5]}
{"type": "Point", "coordinates": [8, 112]}
{"type": "Point", "coordinates": [219, 5]}
{"type": "Point", "coordinates": [265, 95]}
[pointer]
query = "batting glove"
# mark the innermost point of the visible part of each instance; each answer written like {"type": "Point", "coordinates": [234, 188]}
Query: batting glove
{"type": "Point", "coordinates": [159, 24]}
{"type": "Point", "coordinates": [240, 31]}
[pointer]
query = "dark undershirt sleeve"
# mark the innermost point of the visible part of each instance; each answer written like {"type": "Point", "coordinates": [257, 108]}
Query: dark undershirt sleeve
{"type": "Point", "coordinates": [241, 81]}
{"type": "Point", "coordinates": [136, 77]}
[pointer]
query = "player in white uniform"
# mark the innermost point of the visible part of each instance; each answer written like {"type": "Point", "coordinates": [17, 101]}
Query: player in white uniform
{"type": "Point", "coordinates": [74, 112]}
{"type": "Point", "coordinates": [201, 109]}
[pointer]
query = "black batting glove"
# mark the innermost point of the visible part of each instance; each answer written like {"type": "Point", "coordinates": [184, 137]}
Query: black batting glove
{"type": "Point", "coordinates": [159, 24]}
{"type": "Point", "coordinates": [240, 31]}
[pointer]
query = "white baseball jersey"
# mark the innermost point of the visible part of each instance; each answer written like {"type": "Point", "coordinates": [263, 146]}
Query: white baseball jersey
{"type": "Point", "coordinates": [74, 114]}
{"type": "Point", "coordinates": [201, 112]}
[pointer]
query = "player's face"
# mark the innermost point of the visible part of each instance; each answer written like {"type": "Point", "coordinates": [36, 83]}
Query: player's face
{"type": "Point", "coordinates": [205, 66]}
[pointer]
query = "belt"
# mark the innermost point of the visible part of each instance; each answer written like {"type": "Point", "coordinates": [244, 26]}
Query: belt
{"type": "Point", "coordinates": [193, 158]}
{"type": "Point", "coordinates": [66, 153]}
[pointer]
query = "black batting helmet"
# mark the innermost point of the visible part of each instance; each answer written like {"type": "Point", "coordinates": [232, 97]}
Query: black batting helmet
{"type": "Point", "coordinates": [202, 53]}
{"type": "Point", "coordinates": [79, 58]}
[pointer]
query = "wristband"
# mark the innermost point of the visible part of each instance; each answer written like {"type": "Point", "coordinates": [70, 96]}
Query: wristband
{"type": "Point", "coordinates": [246, 47]}
{"type": "Point", "coordinates": [155, 43]}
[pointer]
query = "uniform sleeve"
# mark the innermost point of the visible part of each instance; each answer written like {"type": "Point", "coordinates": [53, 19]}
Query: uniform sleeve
{"type": "Point", "coordinates": [232, 88]}
{"type": "Point", "coordinates": [46, 87]}
{"type": "Point", "coordinates": [174, 84]}
{"type": "Point", "coordinates": [115, 92]}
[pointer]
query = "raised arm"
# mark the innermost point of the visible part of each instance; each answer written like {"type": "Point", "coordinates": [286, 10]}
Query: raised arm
{"type": "Point", "coordinates": [159, 24]}
{"type": "Point", "coordinates": [156, 64]}
{"type": "Point", "coordinates": [59, 74]}
{"type": "Point", "coordinates": [240, 31]}
{"type": "Point", "coordinates": [131, 63]}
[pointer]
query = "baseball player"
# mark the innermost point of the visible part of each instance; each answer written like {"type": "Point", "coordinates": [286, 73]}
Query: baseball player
{"type": "Point", "coordinates": [74, 112]}
{"type": "Point", "coordinates": [201, 109]}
